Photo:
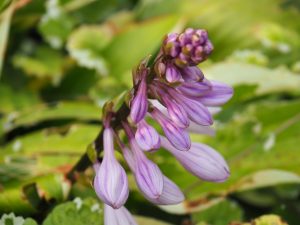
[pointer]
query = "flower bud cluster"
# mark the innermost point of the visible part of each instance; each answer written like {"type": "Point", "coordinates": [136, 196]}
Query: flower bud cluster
{"type": "Point", "coordinates": [174, 93]}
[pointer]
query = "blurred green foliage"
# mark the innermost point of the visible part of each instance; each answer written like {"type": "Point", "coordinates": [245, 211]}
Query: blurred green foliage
{"type": "Point", "coordinates": [60, 60]}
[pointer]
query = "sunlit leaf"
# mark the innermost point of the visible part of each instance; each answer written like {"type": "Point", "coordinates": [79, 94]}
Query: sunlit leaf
{"type": "Point", "coordinates": [77, 212]}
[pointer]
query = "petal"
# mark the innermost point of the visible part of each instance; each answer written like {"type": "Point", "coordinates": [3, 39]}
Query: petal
{"type": "Point", "coordinates": [171, 194]}
{"type": "Point", "coordinates": [147, 174]}
{"type": "Point", "coordinates": [119, 216]}
{"type": "Point", "coordinates": [194, 89]}
{"type": "Point", "coordinates": [178, 137]}
{"type": "Point", "coordinates": [202, 161]}
{"type": "Point", "coordinates": [147, 137]}
{"type": "Point", "coordinates": [139, 104]}
{"type": "Point", "coordinates": [218, 95]}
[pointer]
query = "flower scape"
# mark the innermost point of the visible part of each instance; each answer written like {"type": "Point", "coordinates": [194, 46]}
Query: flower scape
{"type": "Point", "coordinates": [172, 93]}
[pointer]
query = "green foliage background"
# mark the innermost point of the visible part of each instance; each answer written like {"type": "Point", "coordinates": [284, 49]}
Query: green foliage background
{"type": "Point", "coordinates": [60, 60]}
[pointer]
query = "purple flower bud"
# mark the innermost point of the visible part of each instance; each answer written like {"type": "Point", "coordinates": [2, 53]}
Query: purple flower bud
{"type": "Point", "coordinates": [219, 94]}
{"type": "Point", "coordinates": [176, 112]}
{"type": "Point", "coordinates": [119, 216]}
{"type": "Point", "coordinates": [188, 48]}
{"type": "Point", "coordinates": [146, 136]}
{"type": "Point", "coordinates": [110, 182]}
{"type": "Point", "coordinates": [196, 111]}
{"type": "Point", "coordinates": [147, 174]}
{"type": "Point", "coordinates": [179, 138]}
{"type": "Point", "coordinates": [171, 46]}
{"type": "Point", "coordinates": [139, 104]}
{"type": "Point", "coordinates": [192, 73]}
{"type": "Point", "coordinates": [194, 89]}
{"type": "Point", "coordinates": [199, 129]}
{"type": "Point", "coordinates": [171, 194]}
{"type": "Point", "coordinates": [172, 74]}
{"type": "Point", "coordinates": [201, 160]}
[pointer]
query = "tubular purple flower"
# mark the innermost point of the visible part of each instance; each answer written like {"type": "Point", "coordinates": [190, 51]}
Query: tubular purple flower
{"type": "Point", "coordinates": [146, 136]}
{"type": "Point", "coordinates": [201, 160]}
{"type": "Point", "coordinates": [147, 174]}
{"type": "Point", "coordinates": [175, 111]}
{"type": "Point", "coordinates": [119, 216]}
{"type": "Point", "coordinates": [195, 110]}
{"type": "Point", "coordinates": [139, 104]}
{"type": "Point", "coordinates": [219, 94]}
{"type": "Point", "coordinates": [171, 194]}
{"type": "Point", "coordinates": [191, 73]}
{"type": "Point", "coordinates": [194, 89]}
{"type": "Point", "coordinates": [110, 182]}
{"type": "Point", "coordinates": [178, 137]}
{"type": "Point", "coordinates": [199, 129]}
{"type": "Point", "coordinates": [172, 74]}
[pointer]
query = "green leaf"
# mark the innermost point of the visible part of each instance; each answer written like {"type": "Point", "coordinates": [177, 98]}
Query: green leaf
{"type": "Point", "coordinates": [11, 219]}
{"type": "Point", "coordinates": [267, 220]}
{"type": "Point", "coordinates": [86, 50]}
{"type": "Point", "coordinates": [57, 27]}
{"type": "Point", "coordinates": [135, 42]}
{"type": "Point", "coordinates": [43, 190]}
{"type": "Point", "coordinates": [4, 4]}
{"type": "Point", "coordinates": [268, 81]}
{"type": "Point", "coordinates": [5, 19]}
{"type": "Point", "coordinates": [68, 110]}
{"type": "Point", "coordinates": [44, 151]}
{"type": "Point", "coordinates": [13, 100]}
{"type": "Point", "coordinates": [45, 63]}
{"type": "Point", "coordinates": [78, 212]}
{"type": "Point", "coordinates": [149, 221]}
{"type": "Point", "coordinates": [226, 210]}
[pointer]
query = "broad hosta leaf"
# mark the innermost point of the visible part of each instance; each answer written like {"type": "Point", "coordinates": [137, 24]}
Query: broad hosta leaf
{"type": "Point", "coordinates": [268, 81]}
{"type": "Point", "coordinates": [266, 220]}
{"type": "Point", "coordinates": [72, 110]}
{"type": "Point", "coordinates": [253, 159]}
{"type": "Point", "coordinates": [5, 19]}
{"type": "Point", "coordinates": [226, 210]}
{"type": "Point", "coordinates": [149, 221]}
{"type": "Point", "coordinates": [56, 24]}
{"type": "Point", "coordinates": [87, 51]}
{"type": "Point", "coordinates": [32, 195]}
{"type": "Point", "coordinates": [45, 63]}
{"type": "Point", "coordinates": [13, 100]}
{"type": "Point", "coordinates": [11, 219]}
{"type": "Point", "coordinates": [77, 212]}
{"type": "Point", "coordinates": [136, 42]}
{"type": "Point", "coordinates": [45, 151]}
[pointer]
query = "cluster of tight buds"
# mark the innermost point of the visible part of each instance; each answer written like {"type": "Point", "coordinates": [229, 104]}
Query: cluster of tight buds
{"type": "Point", "coordinates": [174, 93]}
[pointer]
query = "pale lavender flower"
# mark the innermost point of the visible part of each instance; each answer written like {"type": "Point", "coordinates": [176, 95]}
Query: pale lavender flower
{"type": "Point", "coordinates": [201, 160]}
{"type": "Point", "coordinates": [176, 112]}
{"type": "Point", "coordinates": [139, 104]}
{"type": "Point", "coordinates": [119, 216]}
{"type": "Point", "coordinates": [195, 110]}
{"type": "Point", "coordinates": [171, 194]}
{"type": "Point", "coordinates": [172, 73]}
{"type": "Point", "coordinates": [110, 182]}
{"type": "Point", "coordinates": [219, 94]}
{"type": "Point", "coordinates": [191, 74]}
{"type": "Point", "coordinates": [194, 89]}
{"type": "Point", "coordinates": [178, 137]}
{"type": "Point", "coordinates": [184, 99]}
{"type": "Point", "coordinates": [146, 136]}
{"type": "Point", "coordinates": [147, 174]}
